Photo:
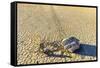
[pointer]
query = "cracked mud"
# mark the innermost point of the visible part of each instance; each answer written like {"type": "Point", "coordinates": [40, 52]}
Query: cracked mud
{"type": "Point", "coordinates": [52, 23]}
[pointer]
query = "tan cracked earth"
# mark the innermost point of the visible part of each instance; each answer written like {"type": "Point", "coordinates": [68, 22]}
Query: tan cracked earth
{"type": "Point", "coordinates": [54, 23]}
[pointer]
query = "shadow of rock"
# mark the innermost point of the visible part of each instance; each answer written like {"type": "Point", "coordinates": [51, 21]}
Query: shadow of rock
{"type": "Point", "coordinates": [87, 50]}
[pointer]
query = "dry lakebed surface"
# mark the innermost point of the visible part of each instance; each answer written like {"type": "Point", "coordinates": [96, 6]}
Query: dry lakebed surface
{"type": "Point", "coordinates": [49, 22]}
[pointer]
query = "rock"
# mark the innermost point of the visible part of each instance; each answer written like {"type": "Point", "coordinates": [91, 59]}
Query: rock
{"type": "Point", "coordinates": [71, 44]}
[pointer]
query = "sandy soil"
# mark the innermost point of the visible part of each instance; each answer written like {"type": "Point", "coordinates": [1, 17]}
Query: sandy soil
{"type": "Point", "coordinates": [53, 23]}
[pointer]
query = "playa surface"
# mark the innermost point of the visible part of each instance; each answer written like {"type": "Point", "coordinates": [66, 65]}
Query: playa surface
{"type": "Point", "coordinates": [38, 22]}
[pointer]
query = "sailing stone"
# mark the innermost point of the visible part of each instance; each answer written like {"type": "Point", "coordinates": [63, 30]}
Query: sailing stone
{"type": "Point", "coordinates": [71, 44]}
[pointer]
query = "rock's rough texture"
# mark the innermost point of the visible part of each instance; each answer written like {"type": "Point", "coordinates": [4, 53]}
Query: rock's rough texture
{"type": "Point", "coordinates": [71, 44]}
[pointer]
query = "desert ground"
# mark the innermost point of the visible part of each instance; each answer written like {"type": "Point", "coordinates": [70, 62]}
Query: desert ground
{"type": "Point", "coordinates": [44, 22]}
